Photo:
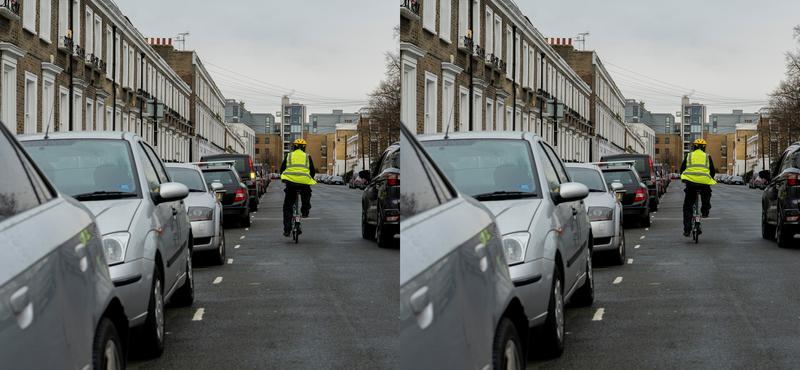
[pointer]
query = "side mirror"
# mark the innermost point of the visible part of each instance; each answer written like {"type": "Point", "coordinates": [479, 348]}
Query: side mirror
{"type": "Point", "coordinates": [617, 187]}
{"type": "Point", "coordinates": [170, 192]}
{"type": "Point", "coordinates": [571, 191]}
{"type": "Point", "coordinates": [363, 174]}
{"type": "Point", "coordinates": [764, 174]}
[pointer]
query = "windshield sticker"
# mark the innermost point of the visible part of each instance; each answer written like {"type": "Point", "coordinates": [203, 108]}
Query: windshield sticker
{"type": "Point", "coordinates": [125, 187]}
{"type": "Point", "coordinates": [525, 187]}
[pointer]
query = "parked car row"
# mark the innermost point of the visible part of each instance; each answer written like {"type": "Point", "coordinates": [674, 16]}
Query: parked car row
{"type": "Point", "coordinates": [122, 231]}
{"type": "Point", "coordinates": [780, 202]}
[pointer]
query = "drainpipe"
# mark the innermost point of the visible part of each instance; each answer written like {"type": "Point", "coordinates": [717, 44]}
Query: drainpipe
{"type": "Point", "coordinates": [514, 77]}
{"type": "Point", "coordinates": [541, 106]}
{"type": "Point", "coordinates": [471, 65]}
{"type": "Point", "coordinates": [114, 78]}
{"type": "Point", "coordinates": [71, 66]}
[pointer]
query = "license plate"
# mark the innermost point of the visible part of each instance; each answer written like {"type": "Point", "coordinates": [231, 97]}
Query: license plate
{"type": "Point", "coordinates": [219, 195]}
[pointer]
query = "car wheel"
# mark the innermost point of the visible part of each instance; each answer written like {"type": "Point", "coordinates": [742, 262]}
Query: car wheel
{"type": "Point", "coordinates": [254, 205]}
{"type": "Point", "coordinates": [219, 259]}
{"type": "Point", "coordinates": [246, 219]}
{"type": "Point", "coordinates": [367, 230]}
{"type": "Point", "coordinates": [619, 254]}
{"type": "Point", "coordinates": [550, 342]}
{"type": "Point", "coordinates": [185, 294]}
{"type": "Point", "coordinates": [384, 239]}
{"type": "Point", "coordinates": [767, 230]}
{"type": "Point", "coordinates": [584, 296]}
{"type": "Point", "coordinates": [506, 348]}
{"type": "Point", "coordinates": [646, 219]}
{"type": "Point", "coordinates": [654, 205]}
{"type": "Point", "coordinates": [106, 347]}
{"type": "Point", "coordinates": [784, 237]}
{"type": "Point", "coordinates": [153, 328]}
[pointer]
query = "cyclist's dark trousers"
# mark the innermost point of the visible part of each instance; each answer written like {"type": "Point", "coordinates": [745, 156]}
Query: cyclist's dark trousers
{"type": "Point", "coordinates": [688, 202]}
{"type": "Point", "coordinates": [288, 202]}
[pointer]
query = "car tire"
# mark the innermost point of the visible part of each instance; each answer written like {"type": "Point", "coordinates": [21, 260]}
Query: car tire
{"type": "Point", "coordinates": [506, 347]}
{"type": "Point", "coordinates": [367, 230]}
{"type": "Point", "coordinates": [619, 254]}
{"type": "Point", "coordinates": [767, 230]}
{"type": "Point", "coordinates": [219, 254]}
{"type": "Point", "coordinates": [654, 205]}
{"type": "Point", "coordinates": [153, 330]}
{"type": "Point", "coordinates": [584, 296]}
{"type": "Point", "coordinates": [784, 237]}
{"type": "Point", "coordinates": [184, 296]}
{"type": "Point", "coordinates": [550, 342]}
{"type": "Point", "coordinates": [107, 350]}
{"type": "Point", "coordinates": [245, 221]}
{"type": "Point", "coordinates": [385, 240]}
{"type": "Point", "coordinates": [254, 205]}
{"type": "Point", "coordinates": [646, 219]}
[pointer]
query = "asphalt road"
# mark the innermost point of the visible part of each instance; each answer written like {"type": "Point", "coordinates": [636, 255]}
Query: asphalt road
{"type": "Point", "coordinates": [729, 302]}
{"type": "Point", "coordinates": [328, 302]}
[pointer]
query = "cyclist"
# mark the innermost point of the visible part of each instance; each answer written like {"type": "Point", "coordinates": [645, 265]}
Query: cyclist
{"type": "Point", "coordinates": [697, 172]}
{"type": "Point", "coordinates": [297, 171]}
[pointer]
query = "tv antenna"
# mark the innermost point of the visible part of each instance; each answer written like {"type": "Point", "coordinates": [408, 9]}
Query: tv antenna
{"type": "Point", "coordinates": [181, 38]}
{"type": "Point", "coordinates": [582, 39]}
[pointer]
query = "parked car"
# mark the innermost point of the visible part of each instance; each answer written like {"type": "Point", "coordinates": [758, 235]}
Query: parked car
{"type": "Point", "coordinates": [245, 169]}
{"type": "Point", "coordinates": [736, 180]}
{"type": "Point", "coordinates": [780, 211]}
{"type": "Point", "coordinates": [547, 236]}
{"type": "Point", "coordinates": [662, 180]}
{"type": "Point", "coordinates": [262, 178]}
{"type": "Point", "coordinates": [55, 291]}
{"type": "Point", "coordinates": [204, 208]}
{"type": "Point", "coordinates": [380, 203]}
{"type": "Point", "coordinates": [635, 202]}
{"type": "Point", "coordinates": [358, 182]}
{"type": "Point", "coordinates": [644, 166]}
{"type": "Point", "coordinates": [458, 306]}
{"type": "Point", "coordinates": [336, 180]}
{"type": "Point", "coordinates": [235, 202]}
{"type": "Point", "coordinates": [604, 208]}
{"type": "Point", "coordinates": [146, 234]}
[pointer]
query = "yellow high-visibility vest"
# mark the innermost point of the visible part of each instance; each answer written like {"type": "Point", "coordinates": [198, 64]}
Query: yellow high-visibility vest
{"type": "Point", "coordinates": [697, 170]}
{"type": "Point", "coordinates": [297, 170]}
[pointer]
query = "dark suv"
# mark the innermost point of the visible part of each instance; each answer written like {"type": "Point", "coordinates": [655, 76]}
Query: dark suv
{"type": "Point", "coordinates": [235, 202]}
{"type": "Point", "coordinates": [247, 173]}
{"type": "Point", "coordinates": [635, 202]}
{"type": "Point", "coordinates": [647, 173]}
{"type": "Point", "coordinates": [380, 204]}
{"type": "Point", "coordinates": [780, 210]}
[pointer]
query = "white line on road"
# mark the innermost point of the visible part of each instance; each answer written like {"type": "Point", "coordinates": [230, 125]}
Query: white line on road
{"type": "Point", "coordinates": [618, 280]}
{"type": "Point", "coordinates": [198, 316]}
{"type": "Point", "coordinates": [636, 247]}
{"type": "Point", "coordinates": [647, 229]}
{"type": "Point", "coordinates": [242, 237]}
{"type": "Point", "coordinates": [639, 238]}
{"type": "Point", "coordinates": [246, 229]}
{"type": "Point", "coordinates": [237, 246]}
{"type": "Point", "coordinates": [630, 261]}
{"type": "Point", "coordinates": [230, 261]}
{"type": "Point", "coordinates": [598, 316]}
{"type": "Point", "coordinates": [218, 280]}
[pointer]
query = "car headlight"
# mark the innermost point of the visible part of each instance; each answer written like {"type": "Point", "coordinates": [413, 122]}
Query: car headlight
{"type": "Point", "coordinates": [114, 246]}
{"type": "Point", "coordinates": [514, 246]}
{"type": "Point", "coordinates": [200, 213]}
{"type": "Point", "coordinates": [600, 213]}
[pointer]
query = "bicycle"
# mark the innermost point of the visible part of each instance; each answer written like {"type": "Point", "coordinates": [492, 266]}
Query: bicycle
{"type": "Point", "coordinates": [697, 228]}
{"type": "Point", "coordinates": [297, 228]}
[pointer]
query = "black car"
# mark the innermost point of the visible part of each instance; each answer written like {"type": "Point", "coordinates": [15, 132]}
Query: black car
{"type": "Point", "coordinates": [336, 180]}
{"type": "Point", "coordinates": [235, 202]}
{"type": "Point", "coordinates": [247, 173]}
{"type": "Point", "coordinates": [780, 211]}
{"type": "Point", "coordinates": [635, 202]}
{"type": "Point", "coordinates": [380, 204]}
{"type": "Point", "coordinates": [647, 173]}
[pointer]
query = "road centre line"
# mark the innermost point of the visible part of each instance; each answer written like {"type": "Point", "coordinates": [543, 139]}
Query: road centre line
{"type": "Point", "coordinates": [237, 246]}
{"type": "Point", "coordinates": [636, 247]}
{"type": "Point", "coordinates": [618, 280]}
{"type": "Point", "coordinates": [598, 316]}
{"type": "Point", "coordinates": [647, 229]}
{"type": "Point", "coordinates": [242, 237]}
{"type": "Point", "coordinates": [218, 280]}
{"type": "Point", "coordinates": [630, 261]}
{"type": "Point", "coordinates": [246, 229]}
{"type": "Point", "coordinates": [198, 316]}
{"type": "Point", "coordinates": [230, 261]}
{"type": "Point", "coordinates": [639, 238]}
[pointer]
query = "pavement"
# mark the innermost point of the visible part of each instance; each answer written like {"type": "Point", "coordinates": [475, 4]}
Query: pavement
{"type": "Point", "coordinates": [728, 302]}
{"type": "Point", "coordinates": [329, 301]}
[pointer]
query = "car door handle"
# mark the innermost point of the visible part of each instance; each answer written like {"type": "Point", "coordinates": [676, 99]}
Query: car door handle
{"type": "Point", "coordinates": [22, 307]}
{"type": "Point", "coordinates": [422, 307]}
{"type": "Point", "coordinates": [80, 252]}
{"type": "Point", "coordinates": [480, 252]}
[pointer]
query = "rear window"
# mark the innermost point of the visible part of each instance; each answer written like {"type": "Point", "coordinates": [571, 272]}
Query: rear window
{"type": "Point", "coordinates": [242, 164]}
{"type": "Point", "coordinates": [622, 177]}
{"type": "Point", "coordinates": [223, 177]}
{"type": "Point", "coordinates": [640, 165]}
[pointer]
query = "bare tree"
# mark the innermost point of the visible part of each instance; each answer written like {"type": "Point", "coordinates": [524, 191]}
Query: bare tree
{"type": "Point", "coordinates": [784, 103]}
{"type": "Point", "coordinates": [384, 105]}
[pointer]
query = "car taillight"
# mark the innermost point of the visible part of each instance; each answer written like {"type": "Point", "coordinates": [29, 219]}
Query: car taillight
{"type": "Point", "coordinates": [392, 218]}
{"type": "Point", "coordinates": [640, 195]}
{"type": "Point", "coordinates": [240, 195]}
{"type": "Point", "coordinates": [393, 179]}
{"type": "Point", "coordinates": [792, 218]}
{"type": "Point", "coordinates": [791, 180]}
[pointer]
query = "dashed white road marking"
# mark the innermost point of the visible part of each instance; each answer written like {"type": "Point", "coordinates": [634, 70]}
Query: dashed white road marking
{"type": "Point", "coordinates": [598, 316]}
{"type": "Point", "coordinates": [198, 316]}
{"type": "Point", "coordinates": [616, 281]}
{"type": "Point", "coordinates": [630, 261]}
{"type": "Point", "coordinates": [639, 238]}
{"type": "Point", "coordinates": [246, 229]}
{"type": "Point", "coordinates": [637, 246]}
{"type": "Point", "coordinates": [242, 237]}
{"type": "Point", "coordinates": [647, 229]}
{"type": "Point", "coordinates": [218, 280]}
{"type": "Point", "coordinates": [237, 246]}
{"type": "Point", "coordinates": [230, 261]}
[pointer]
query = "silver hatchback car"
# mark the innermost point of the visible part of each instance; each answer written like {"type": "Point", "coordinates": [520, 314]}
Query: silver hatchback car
{"type": "Point", "coordinates": [58, 306]}
{"type": "Point", "coordinates": [146, 234]}
{"type": "Point", "coordinates": [546, 233]}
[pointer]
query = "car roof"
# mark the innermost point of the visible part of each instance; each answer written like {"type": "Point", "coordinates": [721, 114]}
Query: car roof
{"type": "Point", "coordinates": [112, 135]}
{"type": "Point", "coordinates": [182, 165]}
{"type": "Point", "coordinates": [511, 135]}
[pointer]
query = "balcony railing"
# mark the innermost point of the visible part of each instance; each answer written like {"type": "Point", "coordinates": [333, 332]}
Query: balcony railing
{"type": "Point", "coordinates": [410, 9]}
{"type": "Point", "coordinates": [480, 53]}
{"type": "Point", "coordinates": [80, 53]}
{"type": "Point", "coordinates": [10, 9]}
{"type": "Point", "coordinates": [65, 44]}
{"type": "Point", "coordinates": [495, 62]}
{"type": "Point", "coordinates": [465, 44]}
{"type": "Point", "coordinates": [95, 62]}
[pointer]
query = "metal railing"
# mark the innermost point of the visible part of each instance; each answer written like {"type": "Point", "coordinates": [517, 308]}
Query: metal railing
{"type": "Point", "coordinates": [411, 5]}
{"type": "Point", "coordinates": [66, 42]}
{"type": "Point", "coordinates": [12, 5]}
{"type": "Point", "coordinates": [80, 52]}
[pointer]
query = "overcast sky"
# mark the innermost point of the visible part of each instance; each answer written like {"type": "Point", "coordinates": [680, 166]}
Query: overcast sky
{"type": "Point", "coordinates": [720, 49]}
{"type": "Point", "coordinates": [330, 53]}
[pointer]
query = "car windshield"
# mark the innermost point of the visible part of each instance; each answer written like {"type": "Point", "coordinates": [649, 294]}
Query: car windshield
{"type": "Point", "coordinates": [588, 177]}
{"type": "Point", "coordinates": [481, 167]}
{"type": "Point", "coordinates": [87, 169]}
{"type": "Point", "coordinates": [222, 177]}
{"type": "Point", "coordinates": [622, 177]}
{"type": "Point", "coordinates": [188, 177]}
